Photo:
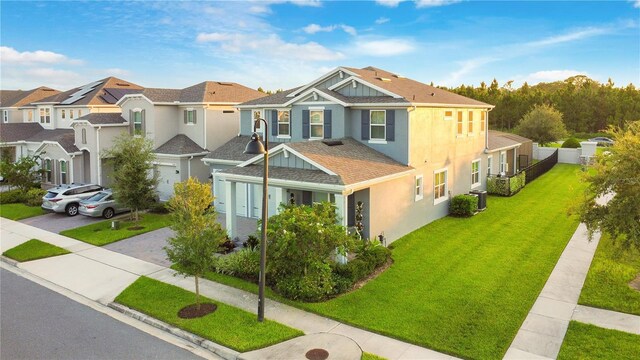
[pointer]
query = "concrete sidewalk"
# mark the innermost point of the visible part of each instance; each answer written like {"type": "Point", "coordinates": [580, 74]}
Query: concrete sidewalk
{"type": "Point", "coordinates": [607, 319]}
{"type": "Point", "coordinates": [100, 275]}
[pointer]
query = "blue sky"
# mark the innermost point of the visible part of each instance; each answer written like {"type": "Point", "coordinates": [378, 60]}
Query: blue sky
{"type": "Point", "coordinates": [283, 44]}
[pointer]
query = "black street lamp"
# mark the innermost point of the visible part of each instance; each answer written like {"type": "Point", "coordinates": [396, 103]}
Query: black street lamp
{"type": "Point", "coordinates": [255, 147]}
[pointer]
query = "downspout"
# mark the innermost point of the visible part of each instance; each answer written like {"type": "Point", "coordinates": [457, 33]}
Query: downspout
{"type": "Point", "coordinates": [486, 133]}
{"type": "Point", "coordinates": [205, 128]}
{"type": "Point", "coordinates": [98, 157]}
{"type": "Point", "coordinates": [189, 166]}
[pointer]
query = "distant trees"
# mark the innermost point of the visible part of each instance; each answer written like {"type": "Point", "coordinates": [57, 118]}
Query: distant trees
{"type": "Point", "coordinates": [586, 105]}
{"type": "Point", "coordinates": [543, 124]}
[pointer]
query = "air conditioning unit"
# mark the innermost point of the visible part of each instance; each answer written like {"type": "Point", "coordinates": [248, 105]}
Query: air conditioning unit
{"type": "Point", "coordinates": [482, 199]}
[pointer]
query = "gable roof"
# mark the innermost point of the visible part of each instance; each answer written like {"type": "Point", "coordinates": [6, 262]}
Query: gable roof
{"type": "Point", "coordinates": [232, 150]}
{"type": "Point", "coordinates": [17, 98]}
{"type": "Point", "coordinates": [180, 145]}
{"type": "Point", "coordinates": [34, 132]}
{"type": "Point", "coordinates": [100, 92]}
{"type": "Point", "coordinates": [499, 140]}
{"type": "Point", "coordinates": [103, 118]}
{"type": "Point", "coordinates": [204, 92]}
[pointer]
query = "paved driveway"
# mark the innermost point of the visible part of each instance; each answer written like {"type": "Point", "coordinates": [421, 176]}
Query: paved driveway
{"type": "Point", "coordinates": [55, 222]}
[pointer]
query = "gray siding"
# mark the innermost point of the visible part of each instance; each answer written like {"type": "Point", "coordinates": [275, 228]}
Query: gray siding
{"type": "Point", "coordinates": [359, 90]}
{"type": "Point", "coordinates": [330, 81]}
{"type": "Point", "coordinates": [398, 149]}
{"type": "Point", "coordinates": [290, 162]}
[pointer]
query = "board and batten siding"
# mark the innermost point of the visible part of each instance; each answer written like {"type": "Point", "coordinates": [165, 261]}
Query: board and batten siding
{"type": "Point", "coordinates": [359, 90]}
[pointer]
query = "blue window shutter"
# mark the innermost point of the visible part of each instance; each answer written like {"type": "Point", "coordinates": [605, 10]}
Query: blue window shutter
{"type": "Point", "coordinates": [305, 124]}
{"type": "Point", "coordinates": [391, 125]}
{"type": "Point", "coordinates": [327, 124]}
{"type": "Point", "coordinates": [365, 124]}
{"type": "Point", "coordinates": [274, 122]}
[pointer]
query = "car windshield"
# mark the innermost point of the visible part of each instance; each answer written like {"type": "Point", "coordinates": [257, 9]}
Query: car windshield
{"type": "Point", "coordinates": [99, 196]}
{"type": "Point", "coordinates": [50, 195]}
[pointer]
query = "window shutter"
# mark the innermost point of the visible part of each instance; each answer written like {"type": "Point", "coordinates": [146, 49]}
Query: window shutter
{"type": "Point", "coordinates": [195, 116]}
{"type": "Point", "coordinates": [274, 122]}
{"type": "Point", "coordinates": [327, 124]}
{"type": "Point", "coordinates": [366, 122]}
{"type": "Point", "coordinates": [391, 125]}
{"type": "Point", "coordinates": [130, 122]}
{"type": "Point", "coordinates": [186, 115]}
{"type": "Point", "coordinates": [305, 124]}
{"type": "Point", "coordinates": [144, 123]}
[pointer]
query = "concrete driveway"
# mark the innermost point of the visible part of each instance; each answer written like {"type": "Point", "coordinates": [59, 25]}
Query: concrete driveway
{"type": "Point", "coordinates": [55, 222]}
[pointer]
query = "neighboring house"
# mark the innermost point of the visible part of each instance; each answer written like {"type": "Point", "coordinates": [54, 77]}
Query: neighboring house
{"type": "Point", "coordinates": [183, 124]}
{"type": "Point", "coordinates": [399, 146]}
{"type": "Point", "coordinates": [508, 153]}
{"type": "Point", "coordinates": [12, 100]}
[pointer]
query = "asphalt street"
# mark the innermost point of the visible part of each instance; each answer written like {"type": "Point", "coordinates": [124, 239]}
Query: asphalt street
{"type": "Point", "coordinates": [38, 323]}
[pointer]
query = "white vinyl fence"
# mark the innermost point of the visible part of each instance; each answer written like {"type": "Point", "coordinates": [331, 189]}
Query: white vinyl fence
{"type": "Point", "coordinates": [567, 156]}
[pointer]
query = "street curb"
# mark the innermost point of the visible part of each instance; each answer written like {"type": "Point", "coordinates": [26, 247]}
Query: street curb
{"type": "Point", "coordinates": [217, 349]}
{"type": "Point", "coordinates": [9, 261]}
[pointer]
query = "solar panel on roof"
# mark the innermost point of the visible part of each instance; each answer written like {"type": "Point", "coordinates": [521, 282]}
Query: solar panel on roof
{"type": "Point", "coordinates": [80, 93]}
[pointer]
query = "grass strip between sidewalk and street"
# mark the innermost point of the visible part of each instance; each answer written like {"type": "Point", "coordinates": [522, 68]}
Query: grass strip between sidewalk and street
{"type": "Point", "coordinates": [100, 233]}
{"type": "Point", "coordinates": [586, 342]}
{"type": "Point", "coordinates": [20, 211]}
{"type": "Point", "coordinates": [607, 283]}
{"type": "Point", "coordinates": [34, 249]}
{"type": "Point", "coordinates": [228, 326]}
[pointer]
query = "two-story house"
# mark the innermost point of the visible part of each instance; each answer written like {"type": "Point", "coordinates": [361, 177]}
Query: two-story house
{"type": "Point", "coordinates": [400, 147]}
{"type": "Point", "coordinates": [12, 100]}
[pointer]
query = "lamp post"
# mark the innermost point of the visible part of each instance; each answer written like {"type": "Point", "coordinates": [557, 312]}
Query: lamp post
{"type": "Point", "coordinates": [255, 147]}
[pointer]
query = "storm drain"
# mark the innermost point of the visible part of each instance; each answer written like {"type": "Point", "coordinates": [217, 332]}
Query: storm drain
{"type": "Point", "coordinates": [317, 354]}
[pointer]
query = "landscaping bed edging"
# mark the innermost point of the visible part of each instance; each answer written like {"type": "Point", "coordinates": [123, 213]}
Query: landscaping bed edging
{"type": "Point", "coordinates": [217, 349]}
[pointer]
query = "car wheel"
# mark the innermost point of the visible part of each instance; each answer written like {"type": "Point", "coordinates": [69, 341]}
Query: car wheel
{"type": "Point", "coordinates": [72, 209]}
{"type": "Point", "coordinates": [108, 213]}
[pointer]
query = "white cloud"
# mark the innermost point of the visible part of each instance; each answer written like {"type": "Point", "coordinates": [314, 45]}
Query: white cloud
{"type": "Point", "coordinates": [636, 3]}
{"type": "Point", "coordinates": [259, 9]}
{"type": "Point", "coordinates": [349, 30]}
{"type": "Point", "coordinates": [389, 3]}
{"type": "Point", "coordinates": [384, 47]}
{"type": "Point", "coordinates": [11, 55]}
{"type": "Point", "coordinates": [552, 75]}
{"type": "Point", "coordinates": [315, 28]}
{"type": "Point", "coordinates": [271, 44]}
{"type": "Point", "coordinates": [434, 3]}
{"type": "Point", "coordinates": [466, 67]}
{"type": "Point", "coordinates": [572, 36]}
{"type": "Point", "coordinates": [383, 20]}
{"type": "Point", "coordinates": [312, 3]}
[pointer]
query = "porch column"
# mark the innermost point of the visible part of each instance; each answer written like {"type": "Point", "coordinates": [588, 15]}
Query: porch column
{"type": "Point", "coordinates": [280, 197]}
{"type": "Point", "coordinates": [230, 208]}
{"type": "Point", "coordinates": [515, 160]}
{"type": "Point", "coordinates": [341, 208]}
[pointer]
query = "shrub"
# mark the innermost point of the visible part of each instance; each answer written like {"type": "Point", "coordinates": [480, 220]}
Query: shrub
{"type": "Point", "coordinates": [13, 196]}
{"type": "Point", "coordinates": [464, 205]}
{"type": "Point", "coordinates": [316, 285]}
{"type": "Point", "coordinates": [34, 197]}
{"type": "Point", "coordinates": [252, 242]}
{"type": "Point", "coordinates": [244, 264]}
{"type": "Point", "coordinates": [159, 208]}
{"type": "Point", "coordinates": [571, 143]}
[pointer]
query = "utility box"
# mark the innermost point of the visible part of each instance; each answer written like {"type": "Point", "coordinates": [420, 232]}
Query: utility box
{"type": "Point", "coordinates": [482, 199]}
{"type": "Point", "coordinates": [115, 225]}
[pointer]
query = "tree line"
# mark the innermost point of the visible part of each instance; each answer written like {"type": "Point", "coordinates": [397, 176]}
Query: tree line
{"type": "Point", "coordinates": [587, 106]}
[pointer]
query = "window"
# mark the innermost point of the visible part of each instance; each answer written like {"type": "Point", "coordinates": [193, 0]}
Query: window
{"type": "Point", "coordinates": [378, 124]}
{"type": "Point", "coordinates": [64, 114]}
{"type": "Point", "coordinates": [63, 172]}
{"type": "Point", "coordinates": [419, 187]}
{"type": "Point", "coordinates": [47, 170]}
{"type": "Point", "coordinates": [284, 124]}
{"type": "Point", "coordinates": [460, 122]}
{"type": "Point", "coordinates": [79, 112]}
{"type": "Point", "coordinates": [475, 173]}
{"type": "Point", "coordinates": [30, 115]}
{"type": "Point", "coordinates": [503, 162]}
{"type": "Point", "coordinates": [316, 122]}
{"type": "Point", "coordinates": [71, 114]}
{"type": "Point", "coordinates": [137, 122]}
{"type": "Point", "coordinates": [84, 136]}
{"type": "Point", "coordinates": [483, 120]}
{"type": "Point", "coordinates": [470, 122]}
{"type": "Point", "coordinates": [190, 117]}
{"type": "Point", "coordinates": [448, 114]}
{"type": "Point", "coordinates": [439, 186]}
{"type": "Point", "coordinates": [489, 165]}
{"type": "Point", "coordinates": [45, 115]}
{"type": "Point", "coordinates": [5, 116]}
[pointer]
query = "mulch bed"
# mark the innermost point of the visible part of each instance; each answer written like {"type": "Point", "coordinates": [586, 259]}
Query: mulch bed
{"type": "Point", "coordinates": [135, 228]}
{"type": "Point", "coordinates": [191, 311]}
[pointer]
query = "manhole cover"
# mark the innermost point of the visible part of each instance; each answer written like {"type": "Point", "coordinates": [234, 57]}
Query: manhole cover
{"type": "Point", "coordinates": [317, 354]}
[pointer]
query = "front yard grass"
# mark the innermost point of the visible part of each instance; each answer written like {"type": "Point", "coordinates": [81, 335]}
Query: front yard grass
{"type": "Point", "coordinates": [20, 211]}
{"type": "Point", "coordinates": [607, 283]}
{"type": "Point", "coordinates": [584, 342]}
{"type": "Point", "coordinates": [34, 249]}
{"type": "Point", "coordinates": [228, 326]}
{"type": "Point", "coordinates": [100, 233]}
{"type": "Point", "coordinates": [464, 286]}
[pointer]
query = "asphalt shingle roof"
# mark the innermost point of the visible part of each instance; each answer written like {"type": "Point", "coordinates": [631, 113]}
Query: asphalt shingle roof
{"type": "Point", "coordinates": [204, 92]}
{"type": "Point", "coordinates": [17, 98]}
{"type": "Point", "coordinates": [179, 145]}
{"type": "Point", "coordinates": [34, 132]}
{"type": "Point", "coordinates": [311, 176]}
{"type": "Point", "coordinates": [499, 140]}
{"type": "Point", "coordinates": [233, 150]}
{"type": "Point", "coordinates": [103, 118]}
{"type": "Point", "coordinates": [96, 96]}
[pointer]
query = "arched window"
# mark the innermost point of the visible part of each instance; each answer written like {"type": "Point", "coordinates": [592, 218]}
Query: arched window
{"type": "Point", "coordinates": [84, 136]}
{"type": "Point", "coordinates": [47, 170]}
{"type": "Point", "coordinates": [63, 172]}
{"type": "Point", "coordinates": [71, 114]}
{"type": "Point", "coordinates": [64, 114]}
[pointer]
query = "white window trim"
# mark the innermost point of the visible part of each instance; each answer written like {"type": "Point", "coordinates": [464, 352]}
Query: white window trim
{"type": "Point", "coordinates": [30, 116]}
{"type": "Point", "coordinates": [288, 122]}
{"type": "Point", "coordinates": [50, 170]}
{"type": "Point", "coordinates": [5, 116]}
{"type": "Point", "coordinates": [486, 115]}
{"type": "Point", "coordinates": [383, 140]}
{"type": "Point", "coordinates": [448, 118]}
{"type": "Point", "coordinates": [500, 163]}
{"type": "Point", "coordinates": [459, 134]}
{"type": "Point", "coordinates": [489, 164]}
{"type": "Point", "coordinates": [137, 111]}
{"type": "Point", "coordinates": [420, 196]}
{"type": "Point", "coordinates": [66, 172]}
{"type": "Point", "coordinates": [190, 111]}
{"type": "Point", "coordinates": [476, 184]}
{"type": "Point", "coordinates": [321, 110]}
{"type": "Point", "coordinates": [445, 197]}
{"type": "Point", "coordinates": [470, 121]}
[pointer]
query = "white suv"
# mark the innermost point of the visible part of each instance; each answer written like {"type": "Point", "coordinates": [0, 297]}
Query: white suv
{"type": "Point", "coordinates": [66, 198]}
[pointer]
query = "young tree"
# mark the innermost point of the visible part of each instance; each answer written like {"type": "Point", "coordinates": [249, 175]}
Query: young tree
{"type": "Point", "coordinates": [134, 180]}
{"type": "Point", "coordinates": [23, 174]}
{"type": "Point", "coordinates": [542, 124]}
{"type": "Point", "coordinates": [616, 173]}
{"type": "Point", "coordinates": [198, 234]}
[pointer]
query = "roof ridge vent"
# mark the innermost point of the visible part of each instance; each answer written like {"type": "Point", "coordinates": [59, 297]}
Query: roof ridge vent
{"type": "Point", "coordinates": [224, 83]}
{"type": "Point", "coordinates": [122, 84]}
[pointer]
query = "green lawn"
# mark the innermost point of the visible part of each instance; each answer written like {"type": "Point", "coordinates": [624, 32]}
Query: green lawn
{"type": "Point", "coordinates": [228, 326]}
{"type": "Point", "coordinates": [586, 342]}
{"type": "Point", "coordinates": [34, 249]}
{"type": "Point", "coordinates": [607, 284]}
{"type": "Point", "coordinates": [370, 356]}
{"type": "Point", "coordinates": [464, 285]}
{"type": "Point", "coordinates": [20, 211]}
{"type": "Point", "coordinates": [100, 233]}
